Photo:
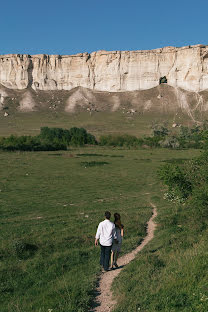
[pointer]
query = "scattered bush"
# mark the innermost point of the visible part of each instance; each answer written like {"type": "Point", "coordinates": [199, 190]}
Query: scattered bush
{"type": "Point", "coordinates": [189, 180]}
{"type": "Point", "coordinates": [152, 141]}
{"type": "Point", "coordinates": [178, 183]}
{"type": "Point", "coordinates": [196, 137]}
{"type": "Point", "coordinates": [160, 130]}
{"type": "Point", "coordinates": [170, 142]}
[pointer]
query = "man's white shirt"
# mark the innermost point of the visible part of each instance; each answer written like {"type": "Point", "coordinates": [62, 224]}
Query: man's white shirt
{"type": "Point", "coordinates": [106, 233]}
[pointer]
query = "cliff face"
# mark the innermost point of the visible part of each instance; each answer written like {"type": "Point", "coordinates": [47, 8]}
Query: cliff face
{"type": "Point", "coordinates": [115, 71]}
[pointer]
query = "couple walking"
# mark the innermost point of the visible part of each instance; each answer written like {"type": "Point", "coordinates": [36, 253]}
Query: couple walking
{"type": "Point", "coordinates": [110, 236]}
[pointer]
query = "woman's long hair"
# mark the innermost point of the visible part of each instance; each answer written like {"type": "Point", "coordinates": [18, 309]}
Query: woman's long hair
{"type": "Point", "coordinates": [117, 220]}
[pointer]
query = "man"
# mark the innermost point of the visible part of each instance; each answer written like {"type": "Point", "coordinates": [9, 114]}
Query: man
{"type": "Point", "coordinates": [106, 234]}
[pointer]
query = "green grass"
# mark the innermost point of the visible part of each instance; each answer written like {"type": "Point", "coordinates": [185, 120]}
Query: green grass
{"type": "Point", "coordinates": [51, 202]}
{"type": "Point", "coordinates": [100, 123]}
{"type": "Point", "coordinates": [170, 274]}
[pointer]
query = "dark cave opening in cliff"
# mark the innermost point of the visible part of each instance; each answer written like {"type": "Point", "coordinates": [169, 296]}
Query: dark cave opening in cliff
{"type": "Point", "coordinates": [163, 80]}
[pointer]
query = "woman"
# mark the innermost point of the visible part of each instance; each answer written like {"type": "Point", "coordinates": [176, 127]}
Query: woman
{"type": "Point", "coordinates": [116, 247]}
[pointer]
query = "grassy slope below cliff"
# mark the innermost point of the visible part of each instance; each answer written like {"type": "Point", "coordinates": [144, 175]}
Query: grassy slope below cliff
{"type": "Point", "coordinates": [100, 112]}
{"type": "Point", "coordinates": [98, 123]}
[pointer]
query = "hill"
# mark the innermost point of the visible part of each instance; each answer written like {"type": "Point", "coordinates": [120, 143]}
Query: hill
{"type": "Point", "coordinates": [25, 111]}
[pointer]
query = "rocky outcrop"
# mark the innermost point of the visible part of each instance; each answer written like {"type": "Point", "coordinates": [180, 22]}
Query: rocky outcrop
{"type": "Point", "coordinates": [115, 71]}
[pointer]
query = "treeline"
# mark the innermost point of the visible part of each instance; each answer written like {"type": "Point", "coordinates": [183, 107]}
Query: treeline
{"type": "Point", "coordinates": [126, 140]}
{"type": "Point", "coordinates": [182, 137]}
{"type": "Point", "coordinates": [30, 143]}
{"type": "Point", "coordinates": [195, 137]}
{"type": "Point", "coordinates": [161, 136]}
{"type": "Point", "coordinates": [49, 139]}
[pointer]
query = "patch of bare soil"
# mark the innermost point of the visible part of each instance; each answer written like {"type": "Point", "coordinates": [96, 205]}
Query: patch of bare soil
{"type": "Point", "coordinates": [103, 300]}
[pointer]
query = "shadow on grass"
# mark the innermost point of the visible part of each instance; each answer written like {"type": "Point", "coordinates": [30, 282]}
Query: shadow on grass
{"type": "Point", "coordinates": [55, 154]}
{"type": "Point", "coordinates": [24, 250]}
{"type": "Point", "coordinates": [93, 163]}
{"type": "Point", "coordinates": [99, 155]}
{"type": "Point", "coordinates": [175, 160]}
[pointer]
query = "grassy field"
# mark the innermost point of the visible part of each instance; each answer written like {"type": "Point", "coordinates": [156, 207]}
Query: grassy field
{"type": "Point", "coordinates": [170, 274]}
{"type": "Point", "coordinates": [98, 123]}
{"type": "Point", "coordinates": [51, 203]}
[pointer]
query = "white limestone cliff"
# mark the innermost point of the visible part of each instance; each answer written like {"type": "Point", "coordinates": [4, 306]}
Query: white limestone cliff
{"type": "Point", "coordinates": [185, 67]}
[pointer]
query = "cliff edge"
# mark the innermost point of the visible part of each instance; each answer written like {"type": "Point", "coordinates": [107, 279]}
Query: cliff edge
{"type": "Point", "coordinates": [115, 71]}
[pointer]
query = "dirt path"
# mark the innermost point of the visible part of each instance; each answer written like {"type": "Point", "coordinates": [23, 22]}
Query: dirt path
{"type": "Point", "coordinates": [104, 301]}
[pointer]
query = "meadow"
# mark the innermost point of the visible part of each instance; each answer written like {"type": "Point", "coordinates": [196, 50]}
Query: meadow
{"type": "Point", "coordinates": [51, 204]}
{"type": "Point", "coordinates": [170, 274]}
{"type": "Point", "coordinates": [98, 123]}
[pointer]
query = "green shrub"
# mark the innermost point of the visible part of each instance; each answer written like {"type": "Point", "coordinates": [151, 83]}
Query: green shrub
{"type": "Point", "coordinates": [159, 130]}
{"type": "Point", "coordinates": [176, 180]}
{"type": "Point", "coordinates": [152, 141]}
{"type": "Point", "coordinates": [74, 136]}
{"type": "Point", "coordinates": [195, 137]}
{"type": "Point", "coordinates": [189, 182]}
{"type": "Point", "coordinates": [170, 142]}
{"type": "Point", "coordinates": [124, 140]}
{"type": "Point", "coordinates": [28, 143]}
{"type": "Point", "coordinates": [50, 139]}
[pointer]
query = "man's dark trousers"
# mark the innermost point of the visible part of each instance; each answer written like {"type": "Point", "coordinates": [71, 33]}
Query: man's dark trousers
{"type": "Point", "coordinates": [105, 253]}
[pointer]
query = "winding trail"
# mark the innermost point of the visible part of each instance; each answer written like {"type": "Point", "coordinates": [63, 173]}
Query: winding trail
{"type": "Point", "coordinates": [103, 299]}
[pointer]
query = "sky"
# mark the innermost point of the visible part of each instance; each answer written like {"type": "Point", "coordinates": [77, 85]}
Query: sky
{"type": "Point", "coordinates": [70, 27]}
